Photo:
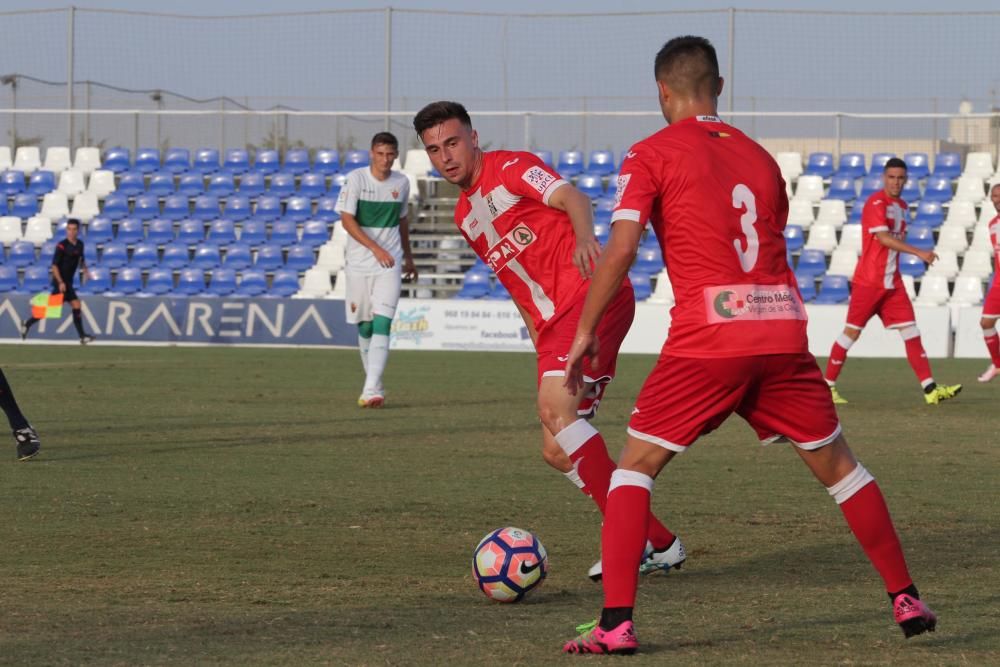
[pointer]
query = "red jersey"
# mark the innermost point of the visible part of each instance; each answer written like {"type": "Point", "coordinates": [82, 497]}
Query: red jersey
{"type": "Point", "coordinates": [879, 266]}
{"type": "Point", "coordinates": [995, 241]}
{"type": "Point", "coordinates": [506, 219]}
{"type": "Point", "coordinates": [717, 202]}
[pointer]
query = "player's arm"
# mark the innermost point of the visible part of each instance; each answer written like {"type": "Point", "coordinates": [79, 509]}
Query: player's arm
{"type": "Point", "coordinates": [581, 215]}
{"type": "Point", "coordinates": [54, 269]}
{"type": "Point", "coordinates": [891, 242]}
{"type": "Point", "coordinates": [611, 270]}
{"type": "Point", "coordinates": [409, 268]}
{"type": "Point", "coordinates": [528, 323]}
{"type": "Point", "coordinates": [84, 274]}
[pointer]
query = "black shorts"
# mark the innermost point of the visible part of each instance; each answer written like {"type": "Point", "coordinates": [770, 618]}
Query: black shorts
{"type": "Point", "coordinates": [68, 295]}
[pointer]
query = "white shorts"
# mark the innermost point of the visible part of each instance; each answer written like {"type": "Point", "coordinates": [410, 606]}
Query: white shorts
{"type": "Point", "coordinates": [370, 294]}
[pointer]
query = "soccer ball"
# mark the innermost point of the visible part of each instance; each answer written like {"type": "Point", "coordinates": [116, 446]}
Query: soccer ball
{"type": "Point", "coordinates": [508, 563]}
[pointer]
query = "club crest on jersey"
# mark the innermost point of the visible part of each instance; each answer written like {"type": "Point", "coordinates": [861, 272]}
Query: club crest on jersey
{"type": "Point", "coordinates": [395, 194]}
{"type": "Point", "coordinates": [622, 183]}
{"type": "Point", "coordinates": [741, 303]}
{"type": "Point", "coordinates": [510, 246]}
{"type": "Point", "coordinates": [491, 205]}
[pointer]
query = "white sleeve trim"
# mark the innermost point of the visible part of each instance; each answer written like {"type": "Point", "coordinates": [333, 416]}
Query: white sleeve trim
{"type": "Point", "coordinates": [553, 186]}
{"type": "Point", "coordinates": [625, 214]}
{"type": "Point", "coordinates": [872, 230]}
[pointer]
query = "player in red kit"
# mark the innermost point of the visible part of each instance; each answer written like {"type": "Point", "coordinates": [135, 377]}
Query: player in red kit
{"type": "Point", "coordinates": [877, 288]}
{"type": "Point", "coordinates": [737, 340]}
{"type": "Point", "coordinates": [991, 306]}
{"type": "Point", "coordinates": [536, 231]}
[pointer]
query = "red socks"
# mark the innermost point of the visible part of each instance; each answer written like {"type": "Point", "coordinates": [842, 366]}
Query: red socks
{"type": "Point", "coordinates": [623, 538]}
{"type": "Point", "coordinates": [838, 355]}
{"type": "Point", "coordinates": [916, 356]}
{"type": "Point", "coordinates": [993, 345]}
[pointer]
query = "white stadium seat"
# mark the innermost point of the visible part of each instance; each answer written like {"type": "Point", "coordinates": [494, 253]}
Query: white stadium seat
{"type": "Point", "coordinates": [933, 291]}
{"type": "Point", "coordinates": [946, 265]}
{"type": "Point", "coordinates": [55, 205]}
{"type": "Point", "coordinates": [38, 229]}
{"type": "Point", "coordinates": [10, 229]}
{"type": "Point", "coordinates": [910, 286]}
{"type": "Point", "coordinates": [952, 237]}
{"type": "Point", "coordinates": [981, 239]}
{"type": "Point", "coordinates": [417, 163]}
{"type": "Point", "coordinates": [5, 161]}
{"type": "Point", "coordinates": [961, 213]}
{"type": "Point", "coordinates": [85, 206]}
{"type": "Point", "coordinates": [850, 238]}
{"type": "Point", "coordinates": [315, 284]}
{"type": "Point", "coordinates": [790, 165]}
{"type": "Point", "coordinates": [101, 183]}
{"type": "Point", "coordinates": [339, 287]}
{"type": "Point", "coordinates": [800, 212]}
{"type": "Point", "coordinates": [809, 188]}
{"type": "Point", "coordinates": [987, 213]}
{"type": "Point", "coordinates": [970, 189]}
{"type": "Point", "coordinates": [71, 183]}
{"type": "Point", "coordinates": [57, 159]}
{"type": "Point", "coordinates": [331, 257]}
{"type": "Point", "coordinates": [979, 165]}
{"type": "Point", "coordinates": [978, 263]}
{"type": "Point", "coordinates": [832, 212]}
{"type": "Point", "coordinates": [88, 158]}
{"type": "Point", "coordinates": [822, 237]}
{"type": "Point", "coordinates": [843, 262]}
{"type": "Point", "coordinates": [664, 291]}
{"type": "Point", "coordinates": [968, 291]}
{"type": "Point", "coordinates": [27, 159]}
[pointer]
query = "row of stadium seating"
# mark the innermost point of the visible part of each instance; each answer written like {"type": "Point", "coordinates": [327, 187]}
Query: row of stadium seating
{"type": "Point", "coordinates": [937, 189]}
{"type": "Point", "coordinates": [946, 164]}
{"type": "Point", "coordinates": [950, 236]}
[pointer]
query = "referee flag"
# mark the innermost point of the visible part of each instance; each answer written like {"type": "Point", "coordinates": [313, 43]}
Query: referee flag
{"type": "Point", "coordinates": [45, 305]}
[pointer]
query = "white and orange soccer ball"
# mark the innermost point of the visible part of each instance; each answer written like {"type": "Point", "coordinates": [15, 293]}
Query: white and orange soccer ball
{"type": "Point", "coordinates": [508, 563]}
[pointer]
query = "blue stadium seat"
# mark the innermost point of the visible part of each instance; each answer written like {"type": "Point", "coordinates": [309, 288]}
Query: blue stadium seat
{"type": "Point", "coordinates": [878, 163]}
{"type": "Point", "coordinates": [929, 213]}
{"type": "Point", "coordinates": [145, 256]}
{"type": "Point", "coordinates": [3, 204]}
{"type": "Point", "coordinates": [222, 231]}
{"type": "Point", "coordinates": [300, 257]}
{"type": "Point", "coordinates": [590, 185]}
{"type": "Point", "coordinates": [545, 157]}
{"type": "Point", "coordinates": [160, 281]}
{"type": "Point", "coordinates": [206, 207]}
{"type": "Point", "coordinates": [253, 232]}
{"type": "Point", "coordinates": [475, 285]}
{"type": "Point", "coordinates": [794, 238]}
{"type": "Point", "coordinates": [641, 285]}
{"type": "Point", "coordinates": [602, 230]}
{"type": "Point", "coordinates": [315, 233]}
{"type": "Point", "coordinates": [161, 231]}
{"type": "Point", "coordinates": [161, 184]}
{"type": "Point", "coordinates": [25, 205]}
{"type": "Point", "coordinates": [237, 207]}
{"type": "Point", "coordinates": [812, 262]}
{"type": "Point", "coordinates": [99, 281]}
{"type": "Point", "coordinates": [917, 165]}
{"type": "Point", "coordinates": [237, 256]}
{"type": "Point", "coordinates": [852, 165]}
{"type": "Point", "coordinates": [938, 188]}
{"type": "Point", "coordinates": [191, 184]}
{"type": "Point", "coordinates": [911, 265]}
{"type": "Point", "coordinates": [601, 162]}
{"type": "Point", "coordinates": [267, 161]}
{"type": "Point", "coordinates": [37, 279]}
{"type": "Point", "coordinates": [312, 185]}
{"type": "Point", "coordinates": [807, 287]}
{"type": "Point", "coordinates": [920, 237]}
{"type": "Point", "coordinates": [834, 289]}
{"type": "Point", "coordinates": [296, 160]}
{"type": "Point", "coordinates": [842, 188]}
{"type": "Point", "coordinates": [222, 282]}
{"type": "Point", "coordinates": [147, 160]}
{"type": "Point", "coordinates": [499, 292]}
{"type": "Point", "coordinates": [253, 282]}
{"type": "Point", "coordinates": [236, 161]}
{"type": "Point", "coordinates": [911, 190]}
{"type": "Point", "coordinates": [206, 160]}
{"type": "Point", "coordinates": [45, 254]}
{"type": "Point", "coordinates": [190, 283]}
{"type": "Point", "coordinates": [284, 233]}
{"type": "Point", "coordinates": [191, 232]}
{"type": "Point", "coordinates": [11, 182]}
{"type": "Point", "coordinates": [176, 207]}
{"type": "Point", "coordinates": [114, 255]}
{"type": "Point", "coordinates": [130, 231]}
{"type": "Point", "coordinates": [252, 184]}
{"type": "Point", "coordinates": [117, 160]}
{"type": "Point", "coordinates": [177, 160]}
{"type": "Point", "coordinates": [326, 209]}
{"type": "Point", "coordinates": [648, 260]}
{"type": "Point", "coordinates": [90, 253]}
{"type": "Point", "coordinates": [327, 161]}
{"type": "Point", "coordinates": [221, 184]}
{"type": "Point", "coordinates": [282, 184]}
{"type": "Point", "coordinates": [116, 207]}
{"type": "Point", "coordinates": [355, 159]}
{"type": "Point", "coordinates": [128, 281]}
{"type": "Point", "coordinates": [268, 208]}
{"type": "Point", "coordinates": [269, 257]}
{"type": "Point", "coordinates": [570, 163]}
{"type": "Point", "coordinates": [98, 230]}
{"type": "Point", "coordinates": [41, 182]}
{"type": "Point", "coordinates": [336, 182]}
{"type": "Point", "coordinates": [298, 208]}
{"type": "Point", "coordinates": [175, 256]}
{"type": "Point", "coordinates": [948, 165]}
{"type": "Point", "coordinates": [131, 183]}
{"type": "Point", "coordinates": [206, 256]}
{"type": "Point", "coordinates": [819, 164]}
{"type": "Point", "coordinates": [869, 186]}
{"type": "Point", "coordinates": [285, 283]}
{"type": "Point", "coordinates": [8, 279]}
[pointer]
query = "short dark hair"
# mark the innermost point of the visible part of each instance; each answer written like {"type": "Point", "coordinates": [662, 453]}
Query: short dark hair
{"type": "Point", "coordinates": [386, 138]}
{"type": "Point", "coordinates": [436, 113]}
{"type": "Point", "coordinates": [894, 163]}
{"type": "Point", "coordinates": [688, 65]}
{"type": "Point", "coordinates": [72, 221]}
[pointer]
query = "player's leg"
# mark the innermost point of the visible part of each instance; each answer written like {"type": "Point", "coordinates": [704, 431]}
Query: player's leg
{"type": "Point", "coordinates": [78, 316]}
{"type": "Point", "coordinates": [896, 312]}
{"type": "Point", "coordinates": [991, 313]}
{"type": "Point", "coordinates": [385, 289]}
{"type": "Point", "coordinates": [863, 305]}
{"type": "Point", "coordinates": [24, 435]}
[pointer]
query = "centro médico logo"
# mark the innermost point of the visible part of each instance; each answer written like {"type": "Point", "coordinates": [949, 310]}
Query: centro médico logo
{"type": "Point", "coordinates": [728, 305]}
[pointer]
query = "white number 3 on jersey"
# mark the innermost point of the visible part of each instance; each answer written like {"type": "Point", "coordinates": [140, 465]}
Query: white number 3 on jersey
{"type": "Point", "coordinates": [743, 197]}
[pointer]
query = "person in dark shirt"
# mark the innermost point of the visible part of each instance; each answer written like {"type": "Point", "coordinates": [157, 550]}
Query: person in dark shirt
{"type": "Point", "coordinates": [24, 435]}
{"type": "Point", "coordinates": [68, 256]}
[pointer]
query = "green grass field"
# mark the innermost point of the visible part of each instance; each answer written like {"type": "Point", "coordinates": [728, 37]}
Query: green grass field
{"type": "Point", "coordinates": [216, 506]}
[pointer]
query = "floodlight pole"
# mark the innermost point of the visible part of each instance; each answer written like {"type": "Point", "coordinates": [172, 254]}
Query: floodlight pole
{"type": "Point", "coordinates": [388, 65]}
{"type": "Point", "coordinates": [70, 35]}
{"type": "Point", "coordinates": [732, 60]}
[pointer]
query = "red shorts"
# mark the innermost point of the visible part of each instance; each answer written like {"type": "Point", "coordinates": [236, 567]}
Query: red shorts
{"type": "Point", "coordinates": [782, 396]}
{"type": "Point", "coordinates": [891, 305]}
{"type": "Point", "coordinates": [556, 338]}
{"type": "Point", "coordinates": [991, 306]}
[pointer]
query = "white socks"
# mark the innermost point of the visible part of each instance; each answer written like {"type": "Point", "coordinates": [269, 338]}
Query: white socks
{"type": "Point", "coordinates": [378, 354]}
